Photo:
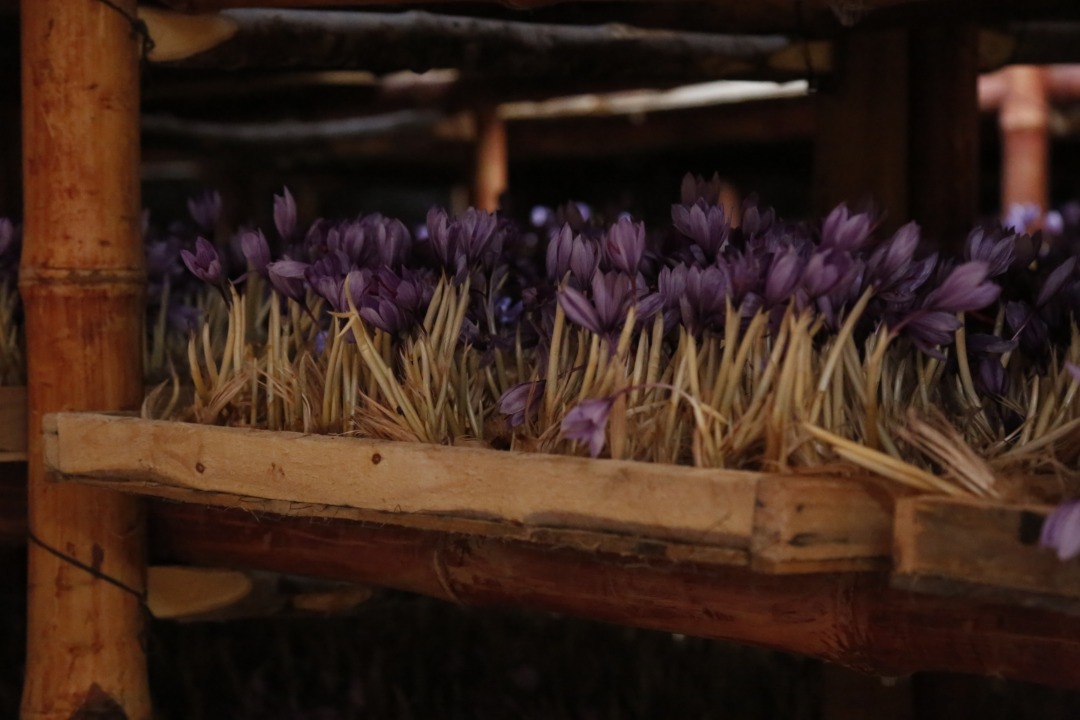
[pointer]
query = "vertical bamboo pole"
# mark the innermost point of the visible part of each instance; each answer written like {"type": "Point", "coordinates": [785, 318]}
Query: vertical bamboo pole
{"type": "Point", "coordinates": [491, 167]}
{"type": "Point", "coordinates": [1023, 120]}
{"type": "Point", "coordinates": [82, 281]}
{"type": "Point", "coordinates": [944, 159]}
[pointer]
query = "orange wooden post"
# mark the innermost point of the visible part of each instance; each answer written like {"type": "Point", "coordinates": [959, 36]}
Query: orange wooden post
{"type": "Point", "coordinates": [82, 281]}
{"type": "Point", "coordinates": [1023, 120]}
{"type": "Point", "coordinates": [491, 168]}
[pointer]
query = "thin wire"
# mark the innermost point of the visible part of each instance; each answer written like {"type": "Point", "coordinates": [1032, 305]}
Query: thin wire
{"type": "Point", "coordinates": [138, 27]}
{"type": "Point", "coordinates": [140, 595]}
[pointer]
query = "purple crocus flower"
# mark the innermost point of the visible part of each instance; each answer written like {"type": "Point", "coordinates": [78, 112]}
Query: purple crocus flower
{"type": "Point", "coordinates": [393, 243]}
{"type": "Point", "coordinates": [587, 422]}
{"type": "Point", "coordinates": [889, 264]}
{"type": "Point", "coordinates": [704, 304]}
{"type": "Point", "coordinates": [966, 289]}
{"type": "Point", "coordinates": [205, 209]}
{"type": "Point", "coordinates": [522, 402]}
{"type": "Point", "coordinates": [285, 215]}
{"type": "Point", "coordinates": [204, 263]}
{"type": "Point", "coordinates": [624, 246]}
{"type": "Point", "coordinates": [256, 250]}
{"type": "Point", "coordinates": [612, 295]}
{"type": "Point", "coordinates": [1055, 281]}
{"type": "Point", "coordinates": [287, 278]}
{"type": "Point", "coordinates": [1061, 530]}
{"type": "Point", "coordinates": [993, 247]}
{"type": "Point", "coordinates": [183, 318]}
{"type": "Point", "coordinates": [844, 230]}
{"type": "Point", "coordinates": [705, 224]}
{"type": "Point", "coordinates": [990, 377]}
{"type": "Point", "coordinates": [784, 273]}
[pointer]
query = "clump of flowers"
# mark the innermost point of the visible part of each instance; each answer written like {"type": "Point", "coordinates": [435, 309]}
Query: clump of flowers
{"type": "Point", "coordinates": [729, 339]}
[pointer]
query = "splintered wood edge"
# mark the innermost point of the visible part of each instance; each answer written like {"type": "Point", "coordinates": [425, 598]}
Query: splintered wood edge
{"type": "Point", "coordinates": [813, 524]}
{"type": "Point", "coordinates": [703, 516]}
{"type": "Point", "coordinates": [981, 550]}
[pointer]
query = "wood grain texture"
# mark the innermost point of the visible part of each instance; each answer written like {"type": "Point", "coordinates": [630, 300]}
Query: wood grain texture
{"type": "Point", "coordinates": [398, 480]}
{"type": "Point", "coordinates": [83, 290]}
{"type": "Point", "coordinates": [975, 549]}
{"type": "Point", "coordinates": [854, 619]}
{"type": "Point", "coordinates": [808, 524]}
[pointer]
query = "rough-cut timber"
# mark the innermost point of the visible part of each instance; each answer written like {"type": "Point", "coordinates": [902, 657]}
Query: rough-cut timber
{"type": "Point", "coordinates": [822, 524]}
{"type": "Point", "coordinates": [419, 41]}
{"type": "Point", "coordinates": [808, 16]}
{"type": "Point", "coordinates": [782, 523]}
{"type": "Point", "coordinates": [82, 284]}
{"type": "Point", "coordinates": [976, 549]}
{"type": "Point", "coordinates": [644, 504]}
{"type": "Point", "coordinates": [853, 618]}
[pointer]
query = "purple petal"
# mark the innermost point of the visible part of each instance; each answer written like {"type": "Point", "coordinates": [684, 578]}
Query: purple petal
{"type": "Point", "coordinates": [1061, 530]}
{"type": "Point", "coordinates": [1055, 281]}
{"type": "Point", "coordinates": [579, 310]}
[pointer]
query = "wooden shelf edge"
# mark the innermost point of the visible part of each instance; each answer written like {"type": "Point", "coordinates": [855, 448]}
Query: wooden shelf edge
{"type": "Point", "coordinates": [789, 523]}
{"type": "Point", "coordinates": [981, 550]}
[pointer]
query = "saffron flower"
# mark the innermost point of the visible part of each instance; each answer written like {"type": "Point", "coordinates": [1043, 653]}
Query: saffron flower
{"type": "Point", "coordinates": [287, 278]}
{"type": "Point", "coordinates": [612, 295]}
{"type": "Point", "coordinates": [522, 401]}
{"type": "Point", "coordinates": [705, 224]}
{"type": "Point", "coordinates": [996, 249]}
{"type": "Point", "coordinates": [624, 246]}
{"type": "Point", "coordinates": [256, 250]}
{"type": "Point", "coordinates": [1061, 530]}
{"type": "Point", "coordinates": [587, 422]}
{"type": "Point", "coordinates": [205, 209]}
{"type": "Point", "coordinates": [285, 215]}
{"type": "Point", "coordinates": [204, 263]}
{"type": "Point", "coordinates": [844, 230]}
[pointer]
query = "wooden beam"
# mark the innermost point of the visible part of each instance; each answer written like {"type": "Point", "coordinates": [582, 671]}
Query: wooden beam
{"type": "Point", "coordinates": [979, 550]}
{"type": "Point", "coordinates": [861, 147]}
{"type": "Point", "coordinates": [82, 281]}
{"type": "Point", "coordinates": [943, 155]}
{"type": "Point", "coordinates": [818, 17]}
{"type": "Point", "coordinates": [853, 619]}
{"type": "Point", "coordinates": [417, 40]}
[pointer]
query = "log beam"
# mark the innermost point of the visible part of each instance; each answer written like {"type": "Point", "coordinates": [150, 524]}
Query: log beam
{"type": "Point", "coordinates": [417, 40]}
{"type": "Point", "coordinates": [853, 619]}
{"type": "Point", "coordinates": [82, 282]}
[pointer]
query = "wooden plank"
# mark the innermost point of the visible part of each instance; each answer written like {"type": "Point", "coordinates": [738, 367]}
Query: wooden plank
{"type": "Point", "coordinates": [808, 524]}
{"type": "Point", "coordinates": [12, 423]}
{"type": "Point", "coordinates": [406, 480]}
{"type": "Point", "coordinates": [853, 619]}
{"type": "Point", "coordinates": [981, 550]}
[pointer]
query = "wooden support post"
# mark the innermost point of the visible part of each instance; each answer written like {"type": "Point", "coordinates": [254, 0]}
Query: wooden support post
{"type": "Point", "coordinates": [943, 163]}
{"type": "Point", "coordinates": [491, 168]}
{"type": "Point", "coordinates": [862, 142]}
{"type": "Point", "coordinates": [82, 282]}
{"type": "Point", "coordinates": [1022, 120]}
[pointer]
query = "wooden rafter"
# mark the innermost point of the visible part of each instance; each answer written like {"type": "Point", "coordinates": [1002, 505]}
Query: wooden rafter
{"type": "Point", "coordinates": [416, 40]}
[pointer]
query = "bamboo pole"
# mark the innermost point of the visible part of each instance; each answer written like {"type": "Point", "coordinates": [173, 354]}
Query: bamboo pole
{"type": "Point", "coordinates": [491, 169]}
{"type": "Point", "coordinates": [1023, 121]}
{"type": "Point", "coordinates": [82, 281]}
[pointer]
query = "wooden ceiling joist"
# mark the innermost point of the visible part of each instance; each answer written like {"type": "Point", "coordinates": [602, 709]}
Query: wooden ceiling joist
{"type": "Point", "coordinates": [416, 40]}
{"type": "Point", "coordinates": [806, 18]}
